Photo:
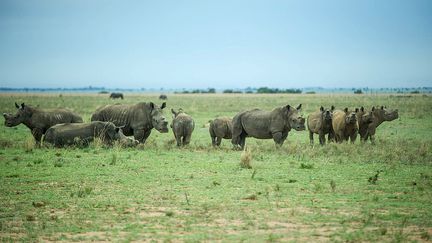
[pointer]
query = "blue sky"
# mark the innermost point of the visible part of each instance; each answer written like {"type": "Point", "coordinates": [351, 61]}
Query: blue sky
{"type": "Point", "coordinates": [221, 44]}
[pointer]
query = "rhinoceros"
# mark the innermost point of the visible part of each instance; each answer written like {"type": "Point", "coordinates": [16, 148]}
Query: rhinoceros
{"type": "Point", "coordinates": [220, 128]}
{"type": "Point", "coordinates": [266, 124]}
{"type": "Point", "coordinates": [39, 120]}
{"type": "Point", "coordinates": [116, 96]}
{"type": "Point", "coordinates": [320, 122]}
{"type": "Point", "coordinates": [365, 118]}
{"type": "Point", "coordinates": [345, 125]}
{"type": "Point", "coordinates": [137, 120]}
{"type": "Point", "coordinates": [380, 115]}
{"type": "Point", "coordinates": [182, 126]}
{"type": "Point", "coordinates": [66, 134]}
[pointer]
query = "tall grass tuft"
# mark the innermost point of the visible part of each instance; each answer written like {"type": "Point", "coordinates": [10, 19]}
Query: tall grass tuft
{"type": "Point", "coordinates": [246, 158]}
{"type": "Point", "coordinates": [29, 144]}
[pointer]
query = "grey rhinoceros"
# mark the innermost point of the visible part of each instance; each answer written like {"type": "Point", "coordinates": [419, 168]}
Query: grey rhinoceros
{"type": "Point", "coordinates": [182, 126]}
{"type": "Point", "coordinates": [66, 134]}
{"type": "Point", "coordinates": [220, 128]}
{"type": "Point", "coordinates": [266, 124]}
{"type": "Point", "coordinates": [137, 120]}
{"type": "Point", "coordinates": [39, 120]}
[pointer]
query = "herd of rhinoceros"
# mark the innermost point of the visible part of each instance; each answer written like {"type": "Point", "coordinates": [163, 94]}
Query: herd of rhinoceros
{"type": "Point", "coordinates": [62, 127]}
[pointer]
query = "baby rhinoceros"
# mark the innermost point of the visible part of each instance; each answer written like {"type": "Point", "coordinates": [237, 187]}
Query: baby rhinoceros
{"type": "Point", "coordinates": [320, 122]}
{"type": "Point", "coordinates": [66, 134]}
{"type": "Point", "coordinates": [220, 128]}
{"type": "Point", "coordinates": [182, 126]}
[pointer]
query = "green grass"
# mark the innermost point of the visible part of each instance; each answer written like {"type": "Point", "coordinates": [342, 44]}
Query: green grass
{"type": "Point", "coordinates": [200, 193]}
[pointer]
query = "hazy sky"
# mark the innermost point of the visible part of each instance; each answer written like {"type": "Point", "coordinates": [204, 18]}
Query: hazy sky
{"type": "Point", "coordinates": [220, 43]}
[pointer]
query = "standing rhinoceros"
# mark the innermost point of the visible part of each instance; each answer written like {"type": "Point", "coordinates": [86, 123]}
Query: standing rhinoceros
{"type": "Point", "coordinates": [182, 126]}
{"type": "Point", "coordinates": [39, 120]}
{"type": "Point", "coordinates": [320, 122]}
{"type": "Point", "coordinates": [220, 128]}
{"type": "Point", "coordinates": [365, 118]}
{"type": "Point", "coordinates": [345, 125]}
{"type": "Point", "coordinates": [116, 96]}
{"type": "Point", "coordinates": [65, 134]}
{"type": "Point", "coordinates": [266, 124]}
{"type": "Point", "coordinates": [137, 120]}
{"type": "Point", "coordinates": [380, 115]}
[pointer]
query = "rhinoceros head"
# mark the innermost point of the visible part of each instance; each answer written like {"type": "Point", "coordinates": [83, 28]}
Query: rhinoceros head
{"type": "Point", "coordinates": [295, 119]}
{"type": "Point", "coordinates": [351, 116]}
{"type": "Point", "coordinates": [365, 116]}
{"type": "Point", "coordinates": [327, 114]}
{"type": "Point", "coordinates": [158, 120]}
{"type": "Point", "coordinates": [385, 114]}
{"type": "Point", "coordinates": [23, 114]}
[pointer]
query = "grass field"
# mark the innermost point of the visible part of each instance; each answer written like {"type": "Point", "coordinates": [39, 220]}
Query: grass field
{"type": "Point", "coordinates": [199, 193]}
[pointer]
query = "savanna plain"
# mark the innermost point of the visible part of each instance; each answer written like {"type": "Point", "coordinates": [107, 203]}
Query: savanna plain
{"type": "Point", "coordinates": [157, 191]}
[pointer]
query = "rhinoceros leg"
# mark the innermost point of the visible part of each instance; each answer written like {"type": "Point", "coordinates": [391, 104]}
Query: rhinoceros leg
{"type": "Point", "coordinates": [218, 141]}
{"type": "Point", "coordinates": [179, 140]}
{"type": "Point", "coordinates": [322, 138]}
{"type": "Point", "coordinates": [186, 139]}
{"type": "Point", "coordinates": [311, 137]}
{"type": "Point", "coordinates": [279, 138]}
{"type": "Point", "coordinates": [37, 134]}
{"type": "Point", "coordinates": [141, 135]}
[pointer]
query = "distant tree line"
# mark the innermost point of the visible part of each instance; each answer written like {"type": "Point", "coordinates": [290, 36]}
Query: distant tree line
{"type": "Point", "coordinates": [266, 90]}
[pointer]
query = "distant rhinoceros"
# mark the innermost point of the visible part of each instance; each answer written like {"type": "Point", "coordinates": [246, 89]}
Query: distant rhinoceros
{"type": "Point", "coordinates": [39, 120]}
{"type": "Point", "coordinates": [320, 122]}
{"type": "Point", "coordinates": [266, 124]}
{"type": "Point", "coordinates": [66, 134]}
{"type": "Point", "coordinates": [182, 126]}
{"type": "Point", "coordinates": [116, 96]}
{"type": "Point", "coordinates": [220, 128]}
{"type": "Point", "coordinates": [380, 115]}
{"type": "Point", "coordinates": [137, 120]}
{"type": "Point", "coordinates": [345, 125]}
{"type": "Point", "coordinates": [163, 97]}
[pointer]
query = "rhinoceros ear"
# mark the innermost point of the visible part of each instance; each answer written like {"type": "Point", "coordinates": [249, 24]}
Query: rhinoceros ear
{"type": "Point", "coordinates": [321, 108]}
{"type": "Point", "coordinates": [299, 107]}
{"type": "Point", "coordinates": [172, 111]}
{"type": "Point", "coordinates": [22, 105]}
{"type": "Point", "coordinates": [4, 115]}
{"type": "Point", "coordinates": [152, 105]}
{"type": "Point", "coordinates": [288, 107]}
{"type": "Point", "coordinates": [356, 110]}
{"type": "Point", "coordinates": [382, 107]}
{"type": "Point", "coordinates": [362, 108]}
{"type": "Point", "coordinates": [332, 108]}
{"type": "Point", "coordinates": [346, 109]}
{"type": "Point", "coordinates": [373, 108]}
{"type": "Point", "coordinates": [117, 129]}
{"type": "Point", "coordinates": [16, 105]}
{"type": "Point", "coordinates": [163, 105]}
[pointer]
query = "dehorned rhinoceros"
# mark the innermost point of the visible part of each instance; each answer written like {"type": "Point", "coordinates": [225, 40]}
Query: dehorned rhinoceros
{"type": "Point", "coordinates": [266, 124]}
{"type": "Point", "coordinates": [66, 134]}
{"type": "Point", "coordinates": [220, 128]}
{"type": "Point", "coordinates": [345, 125]}
{"type": "Point", "coordinates": [320, 122]}
{"type": "Point", "coordinates": [380, 115]}
{"type": "Point", "coordinates": [137, 120]}
{"type": "Point", "coordinates": [182, 126]}
{"type": "Point", "coordinates": [39, 120]}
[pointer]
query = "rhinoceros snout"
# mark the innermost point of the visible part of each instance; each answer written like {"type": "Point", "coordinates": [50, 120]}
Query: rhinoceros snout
{"type": "Point", "coordinates": [300, 127]}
